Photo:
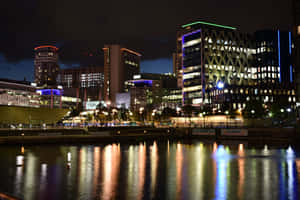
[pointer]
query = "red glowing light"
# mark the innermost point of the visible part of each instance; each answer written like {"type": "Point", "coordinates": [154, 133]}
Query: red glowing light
{"type": "Point", "coordinates": [46, 46]}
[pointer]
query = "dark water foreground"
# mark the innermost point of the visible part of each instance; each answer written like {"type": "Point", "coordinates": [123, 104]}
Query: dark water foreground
{"type": "Point", "coordinates": [151, 170]}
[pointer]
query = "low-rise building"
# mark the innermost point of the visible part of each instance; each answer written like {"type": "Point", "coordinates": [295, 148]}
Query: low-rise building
{"type": "Point", "coordinates": [18, 93]}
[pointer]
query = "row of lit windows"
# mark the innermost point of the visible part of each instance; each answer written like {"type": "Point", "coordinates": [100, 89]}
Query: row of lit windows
{"type": "Point", "coordinates": [191, 43]}
{"type": "Point", "coordinates": [256, 91]}
{"type": "Point", "coordinates": [191, 68]}
{"type": "Point", "coordinates": [231, 48]}
{"type": "Point", "coordinates": [45, 54]}
{"type": "Point", "coordinates": [131, 63]}
{"type": "Point", "coordinates": [264, 49]}
{"type": "Point", "coordinates": [191, 75]}
{"type": "Point", "coordinates": [269, 75]}
{"type": "Point", "coordinates": [269, 68]}
{"type": "Point", "coordinates": [192, 88]}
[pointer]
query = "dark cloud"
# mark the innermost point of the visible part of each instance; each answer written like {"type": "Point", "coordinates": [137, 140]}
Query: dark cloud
{"type": "Point", "coordinates": [78, 26]}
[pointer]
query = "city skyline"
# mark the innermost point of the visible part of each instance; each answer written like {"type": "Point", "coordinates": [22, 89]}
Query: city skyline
{"type": "Point", "coordinates": [136, 30]}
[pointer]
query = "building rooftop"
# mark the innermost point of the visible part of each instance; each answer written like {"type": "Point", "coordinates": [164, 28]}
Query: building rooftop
{"type": "Point", "coordinates": [46, 46]}
{"type": "Point", "coordinates": [15, 81]}
{"type": "Point", "coordinates": [209, 24]}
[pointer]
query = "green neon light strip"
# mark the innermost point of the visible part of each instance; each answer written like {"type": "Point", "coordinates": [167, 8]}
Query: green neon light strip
{"type": "Point", "coordinates": [210, 24]}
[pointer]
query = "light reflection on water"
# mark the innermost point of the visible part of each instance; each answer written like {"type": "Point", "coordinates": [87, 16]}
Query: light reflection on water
{"type": "Point", "coordinates": [150, 170]}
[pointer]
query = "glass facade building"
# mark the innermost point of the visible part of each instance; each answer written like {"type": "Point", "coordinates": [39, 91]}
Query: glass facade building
{"type": "Point", "coordinates": [219, 65]}
{"type": "Point", "coordinates": [214, 57]}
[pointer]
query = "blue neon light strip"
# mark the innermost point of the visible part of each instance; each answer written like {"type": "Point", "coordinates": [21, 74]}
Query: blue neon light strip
{"type": "Point", "coordinates": [188, 34]}
{"type": "Point", "coordinates": [290, 50]}
{"type": "Point", "coordinates": [291, 74]}
{"type": "Point", "coordinates": [279, 58]}
{"type": "Point", "coordinates": [145, 82]}
{"type": "Point", "coordinates": [290, 43]}
{"type": "Point", "coordinates": [55, 92]}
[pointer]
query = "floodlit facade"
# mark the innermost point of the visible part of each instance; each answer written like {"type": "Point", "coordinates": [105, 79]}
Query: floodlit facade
{"type": "Point", "coordinates": [46, 66]}
{"type": "Point", "coordinates": [223, 68]}
{"type": "Point", "coordinates": [213, 57]}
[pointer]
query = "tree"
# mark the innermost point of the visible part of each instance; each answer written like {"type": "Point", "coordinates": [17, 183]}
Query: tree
{"type": "Point", "coordinates": [75, 111]}
{"type": "Point", "coordinates": [254, 109]}
{"type": "Point", "coordinates": [168, 112]}
{"type": "Point", "coordinates": [188, 110]}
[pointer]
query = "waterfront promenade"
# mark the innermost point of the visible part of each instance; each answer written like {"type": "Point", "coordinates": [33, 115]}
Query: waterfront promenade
{"type": "Point", "coordinates": [113, 134]}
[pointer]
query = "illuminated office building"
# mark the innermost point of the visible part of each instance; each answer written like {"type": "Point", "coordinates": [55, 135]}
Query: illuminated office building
{"type": "Point", "coordinates": [158, 90]}
{"type": "Point", "coordinates": [120, 64]}
{"type": "Point", "coordinates": [296, 52]}
{"type": "Point", "coordinates": [46, 66]}
{"type": "Point", "coordinates": [213, 57]}
{"type": "Point", "coordinates": [275, 67]}
{"type": "Point", "coordinates": [222, 67]}
{"type": "Point", "coordinates": [86, 83]}
{"type": "Point", "coordinates": [274, 57]}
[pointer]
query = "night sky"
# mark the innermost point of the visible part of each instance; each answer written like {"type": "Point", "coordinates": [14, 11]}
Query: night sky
{"type": "Point", "coordinates": [82, 27]}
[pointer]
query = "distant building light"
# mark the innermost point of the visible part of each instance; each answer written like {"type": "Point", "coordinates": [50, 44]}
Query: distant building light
{"type": "Point", "coordinates": [33, 84]}
{"type": "Point", "coordinates": [138, 76]}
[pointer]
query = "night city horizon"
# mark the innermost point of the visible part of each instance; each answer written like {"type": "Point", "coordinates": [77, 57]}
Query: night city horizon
{"type": "Point", "coordinates": [150, 100]}
{"type": "Point", "coordinates": [19, 38]}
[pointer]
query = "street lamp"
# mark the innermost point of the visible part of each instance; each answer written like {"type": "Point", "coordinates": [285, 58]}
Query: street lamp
{"type": "Point", "coordinates": [226, 113]}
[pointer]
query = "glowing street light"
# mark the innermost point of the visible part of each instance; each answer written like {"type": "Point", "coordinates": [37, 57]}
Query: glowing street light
{"type": "Point", "coordinates": [289, 110]}
{"type": "Point", "coordinates": [282, 110]}
{"type": "Point", "coordinates": [252, 111]}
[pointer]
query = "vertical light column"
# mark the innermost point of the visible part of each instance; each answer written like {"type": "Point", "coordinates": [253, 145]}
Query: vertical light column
{"type": "Point", "coordinates": [279, 56]}
{"type": "Point", "coordinates": [290, 51]}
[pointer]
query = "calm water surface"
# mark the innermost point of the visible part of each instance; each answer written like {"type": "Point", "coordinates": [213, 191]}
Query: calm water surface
{"type": "Point", "coordinates": [150, 170]}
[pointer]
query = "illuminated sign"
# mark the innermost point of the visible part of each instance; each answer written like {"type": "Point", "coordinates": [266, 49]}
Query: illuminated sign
{"type": "Point", "coordinates": [91, 105]}
{"type": "Point", "coordinates": [69, 99]}
{"type": "Point", "coordinates": [55, 92]}
{"type": "Point", "coordinates": [143, 83]}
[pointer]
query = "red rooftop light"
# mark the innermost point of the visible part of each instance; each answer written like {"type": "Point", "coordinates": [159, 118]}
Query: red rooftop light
{"type": "Point", "coordinates": [46, 46]}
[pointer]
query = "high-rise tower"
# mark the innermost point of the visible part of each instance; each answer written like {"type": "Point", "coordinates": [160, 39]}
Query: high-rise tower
{"type": "Point", "coordinates": [120, 64]}
{"type": "Point", "coordinates": [46, 65]}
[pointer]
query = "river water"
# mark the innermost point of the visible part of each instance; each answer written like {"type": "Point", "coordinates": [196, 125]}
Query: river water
{"type": "Point", "coordinates": [151, 170]}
